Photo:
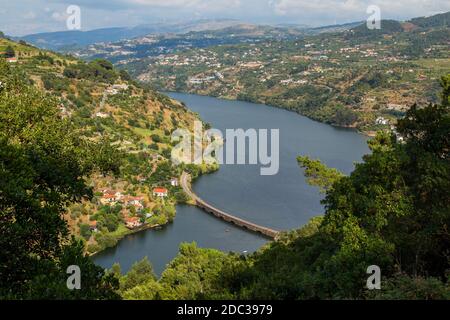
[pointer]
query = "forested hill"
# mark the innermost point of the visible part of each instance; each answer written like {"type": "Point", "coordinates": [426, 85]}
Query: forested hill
{"type": "Point", "coordinates": [72, 133]}
{"type": "Point", "coordinates": [360, 78]}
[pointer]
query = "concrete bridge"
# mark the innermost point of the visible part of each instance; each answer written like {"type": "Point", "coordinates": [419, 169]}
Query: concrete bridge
{"type": "Point", "coordinates": [268, 232]}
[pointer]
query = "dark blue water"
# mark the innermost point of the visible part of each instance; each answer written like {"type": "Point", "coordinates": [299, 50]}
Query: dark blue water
{"type": "Point", "coordinates": [283, 201]}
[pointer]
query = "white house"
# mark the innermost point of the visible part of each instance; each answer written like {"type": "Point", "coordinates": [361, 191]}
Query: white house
{"type": "Point", "coordinates": [102, 115]}
{"type": "Point", "coordinates": [381, 120]}
{"type": "Point", "coordinates": [174, 182]}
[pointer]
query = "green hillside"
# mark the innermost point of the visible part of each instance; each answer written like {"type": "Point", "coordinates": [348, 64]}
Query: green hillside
{"type": "Point", "coordinates": [105, 105]}
{"type": "Point", "coordinates": [358, 78]}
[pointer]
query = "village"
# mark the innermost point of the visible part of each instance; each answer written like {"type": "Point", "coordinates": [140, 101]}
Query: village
{"type": "Point", "coordinates": [135, 211]}
{"type": "Point", "coordinates": [292, 74]}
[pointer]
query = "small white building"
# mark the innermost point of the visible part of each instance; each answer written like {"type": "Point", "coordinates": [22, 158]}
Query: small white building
{"type": "Point", "coordinates": [102, 115]}
{"type": "Point", "coordinates": [382, 121]}
{"type": "Point", "coordinates": [174, 182]}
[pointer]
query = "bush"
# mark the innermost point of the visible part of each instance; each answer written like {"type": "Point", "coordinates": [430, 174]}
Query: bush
{"type": "Point", "coordinates": [85, 231]}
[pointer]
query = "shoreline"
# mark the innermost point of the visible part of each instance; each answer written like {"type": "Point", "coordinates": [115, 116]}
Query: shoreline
{"type": "Point", "coordinates": [368, 133]}
{"type": "Point", "coordinates": [147, 227]}
{"type": "Point", "coordinates": [129, 233]}
{"type": "Point", "coordinates": [191, 201]}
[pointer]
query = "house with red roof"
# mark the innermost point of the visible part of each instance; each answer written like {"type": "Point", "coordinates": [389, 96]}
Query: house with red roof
{"type": "Point", "coordinates": [160, 192]}
{"type": "Point", "coordinates": [133, 222]}
{"type": "Point", "coordinates": [108, 199]}
{"type": "Point", "coordinates": [93, 225]}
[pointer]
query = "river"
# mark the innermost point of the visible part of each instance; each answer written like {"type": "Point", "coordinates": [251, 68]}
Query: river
{"type": "Point", "coordinates": [283, 201]}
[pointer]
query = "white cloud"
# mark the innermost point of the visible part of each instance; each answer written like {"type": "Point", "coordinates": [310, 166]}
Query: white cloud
{"type": "Point", "coordinates": [356, 9]}
{"type": "Point", "coordinates": [29, 15]}
{"type": "Point", "coordinates": [201, 5]}
{"type": "Point", "coordinates": [50, 14]}
{"type": "Point", "coordinates": [59, 17]}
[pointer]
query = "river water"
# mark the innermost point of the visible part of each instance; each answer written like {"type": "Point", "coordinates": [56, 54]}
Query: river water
{"type": "Point", "coordinates": [283, 201]}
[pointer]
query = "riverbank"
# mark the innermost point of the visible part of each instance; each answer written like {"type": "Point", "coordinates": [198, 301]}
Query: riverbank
{"type": "Point", "coordinates": [282, 202]}
{"type": "Point", "coordinates": [367, 132]}
{"type": "Point", "coordinates": [128, 233]}
{"type": "Point", "coordinates": [122, 231]}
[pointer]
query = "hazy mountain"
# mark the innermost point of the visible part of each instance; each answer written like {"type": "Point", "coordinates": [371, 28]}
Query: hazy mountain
{"type": "Point", "coordinates": [64, 40]}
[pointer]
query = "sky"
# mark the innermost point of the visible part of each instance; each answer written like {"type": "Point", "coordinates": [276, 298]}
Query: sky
{"type": "Point", "coordinates": [21, 17]}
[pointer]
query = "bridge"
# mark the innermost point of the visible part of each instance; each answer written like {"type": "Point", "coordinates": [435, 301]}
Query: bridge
{"type": "Point", "coordinates": [268, 232]}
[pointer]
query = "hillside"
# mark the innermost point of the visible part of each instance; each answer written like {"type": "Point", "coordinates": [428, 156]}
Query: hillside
{"type": "Point", "coordinates": [105, 105]}
{"type": "Point", "coordinates": [381, 218]}
{"type": "Point", "coordinates": [70, 40]}
{"type": "Point", "coordinates": [356, 78]}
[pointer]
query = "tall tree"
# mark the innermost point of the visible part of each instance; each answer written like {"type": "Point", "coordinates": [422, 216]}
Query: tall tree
{"type": "Point", "coordinates": [44, 164]}
{"type": "Point", "coordinates": [9, 52]}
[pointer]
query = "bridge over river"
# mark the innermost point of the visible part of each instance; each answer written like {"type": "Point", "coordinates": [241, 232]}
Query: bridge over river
{"type": "Point", "coordinates": [268, 232]}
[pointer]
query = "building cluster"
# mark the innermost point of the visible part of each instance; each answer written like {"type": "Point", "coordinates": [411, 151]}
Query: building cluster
{"type": "Point", "coordinates": [112, 198]}
{"type": "Point", "coordinates": [116, 88]}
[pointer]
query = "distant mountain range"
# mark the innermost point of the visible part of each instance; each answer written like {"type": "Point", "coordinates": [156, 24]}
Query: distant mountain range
{"type": "Point", "coordinates": [69, 40]}
{"type": "Point", "coordinates": [75, 40]}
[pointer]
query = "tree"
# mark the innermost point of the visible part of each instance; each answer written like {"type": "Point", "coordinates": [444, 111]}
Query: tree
{"type": "Point", "coordinates": [9, 52]}
{"type": "Point", "coordinates": [43, 163]}
{"type": "Point", "coordinates": [318, 174]}
{"type": "Point", "coordinates": [392, 211]}
{"type": "Point", "coordinates": [140, 273]}
{"type": "Point", "coordinates": [124, 75]}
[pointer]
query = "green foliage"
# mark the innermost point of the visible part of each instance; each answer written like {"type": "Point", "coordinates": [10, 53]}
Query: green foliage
{"type": "Point", "coordinates": [403, 287]}
{"type": "Point", "coordinates": [156, 138]}
{"type": "Point", "coordinates": [387, 27]}
{"type": "Point", "coordinates": [97, 70]}
{"type": "Point", "coordinates": [105, 240]}
{"type": "Point", "coordinates": [319, 174]}
{"type": "Point", "coordinates": [344, 117]}
{"type": "Point", "coordinates": [50, 281]}
{"type": "Point", "coordinates": [9, 52]}
{"type": "Point", "coordinates": [108, 218]}
{"type": "Point", "coordinates": [393, 211]}
{"type": "Point", "coordinates": [44, 58]}
{"type": "Point", "coordinates": [85, 231]}
{"type": "Point", "coordinates": [43, 164]}
{"type": "Point", "coordinates": [433, 21]}
{"type": "Point", "coordinates": [124, 75]}
{"type": "Point", "coordinates": [140, 273]}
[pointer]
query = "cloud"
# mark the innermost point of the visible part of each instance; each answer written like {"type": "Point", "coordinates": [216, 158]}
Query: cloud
{"type": "Point", "coordinates": [30, 15]}
{"type": "Point", "coordinates": [204, 5]}
{"type": "Point", "coordinates": [49, 15]}
{"type": "Point", "coordinates": [356, 9]}
{"type": "Point", "coordinates": [59, 17]}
